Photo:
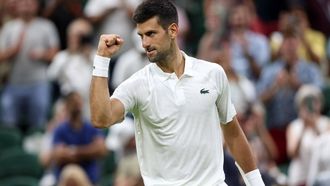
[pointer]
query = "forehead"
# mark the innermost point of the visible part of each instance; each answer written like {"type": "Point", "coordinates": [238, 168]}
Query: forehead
{"type": "Point", "coordinates": [151, 24]}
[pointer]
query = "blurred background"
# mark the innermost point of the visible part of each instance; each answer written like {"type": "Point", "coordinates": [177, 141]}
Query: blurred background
{"type": "Point", "coordinates": [275, 53]}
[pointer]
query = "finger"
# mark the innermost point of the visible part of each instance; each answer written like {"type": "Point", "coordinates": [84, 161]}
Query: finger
{"type": "Point", "coordinates": [117, 40]}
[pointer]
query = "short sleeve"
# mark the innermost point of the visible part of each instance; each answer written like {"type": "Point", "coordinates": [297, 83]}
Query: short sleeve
{"type": "Point", "coordinates": [226, 109]}
{"type": "Point", "coordinates": [126, 92]}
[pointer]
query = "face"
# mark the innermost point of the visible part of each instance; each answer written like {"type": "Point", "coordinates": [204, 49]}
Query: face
{"type": "Point", "coordinates": [74, 105]}
{"type": "Point", "coordinates": [289, 49]}
{"type": "Point", "coordinates": [240, 16]}
{"type": "Point", "coordinates": [27, 7]}
{"type": "Point", "coordinates": [157, 41]}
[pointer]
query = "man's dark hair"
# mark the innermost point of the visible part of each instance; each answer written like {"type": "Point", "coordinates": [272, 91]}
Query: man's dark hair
{"type": "Point", "coordinates": [163, 9]}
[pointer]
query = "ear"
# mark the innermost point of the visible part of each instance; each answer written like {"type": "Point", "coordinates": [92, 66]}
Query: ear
{"type": "Point", "coordinates": [173, 30]}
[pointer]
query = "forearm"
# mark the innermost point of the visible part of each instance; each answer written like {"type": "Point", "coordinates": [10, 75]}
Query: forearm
{"type": "Point", "coordinates": [239, 146]}
{"type": "Point", "coordinates": [49, 54]}
{"type": "Point", "coordinates": [254, 66]}
{"type": "Point", "coordinates": [242, 153]}
{"type": "Point", "coordinates": [91, 151]}
{"type": "Point", "coordinates": [7, 54]}
{"type": "Point", "coordinates": [99, 102]}
{"type": "Point", "coordinates": [268, 94]}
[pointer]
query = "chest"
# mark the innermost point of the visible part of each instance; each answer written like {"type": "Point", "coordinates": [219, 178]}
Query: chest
{"type": "Point", "coordinates": [175, 98]}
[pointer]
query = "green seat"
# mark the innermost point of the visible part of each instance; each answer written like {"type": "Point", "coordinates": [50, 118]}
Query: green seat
{"type": "Point", "coordinates": [17, 162]}
{"type": "Point", "coordinates": [19, 181]}
{"type": "Point", "coordinates": [9, 138]}
{"type": "Point", "coordinates": [109, 167]}
{"type": "Point", "coordinates": [326, 105]}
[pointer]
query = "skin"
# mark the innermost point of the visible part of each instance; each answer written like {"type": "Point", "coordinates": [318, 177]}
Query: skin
{"type": "Point", "coordinates": [161, 48]}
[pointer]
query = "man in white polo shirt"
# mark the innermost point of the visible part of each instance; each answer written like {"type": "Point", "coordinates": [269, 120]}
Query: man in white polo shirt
{"type": "Point", "coordinates": [178, 102]}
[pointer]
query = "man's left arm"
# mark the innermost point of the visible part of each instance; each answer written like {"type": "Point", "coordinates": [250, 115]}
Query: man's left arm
{"type": "Point", "coordinates": [241, 151]}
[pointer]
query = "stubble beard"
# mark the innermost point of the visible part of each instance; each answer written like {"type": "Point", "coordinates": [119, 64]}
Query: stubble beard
{"type": "Point", "coordinates": [161, 56]}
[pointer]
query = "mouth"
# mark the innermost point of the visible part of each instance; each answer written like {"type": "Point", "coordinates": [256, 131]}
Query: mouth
{"type": "Point", "coordinates": [150, 51]}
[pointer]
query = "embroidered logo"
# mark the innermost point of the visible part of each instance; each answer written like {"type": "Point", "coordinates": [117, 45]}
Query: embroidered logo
{"type": "Point", "coordinates": [204, 91]}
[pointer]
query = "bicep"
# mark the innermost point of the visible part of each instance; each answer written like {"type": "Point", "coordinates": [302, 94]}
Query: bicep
{"type": "Point", "coordinates": [117, 110]}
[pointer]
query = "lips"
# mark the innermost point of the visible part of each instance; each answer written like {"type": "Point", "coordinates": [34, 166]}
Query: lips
{"type": "Point", "coordinates": [150, 51]}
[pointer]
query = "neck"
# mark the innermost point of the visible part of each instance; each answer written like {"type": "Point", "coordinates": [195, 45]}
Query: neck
{"type": "Point", "coordinates": [76, 122]}
{"type": "Point", "coordinates": [173, 63]}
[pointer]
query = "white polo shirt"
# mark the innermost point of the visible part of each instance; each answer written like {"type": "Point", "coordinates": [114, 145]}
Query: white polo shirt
{"type": "Point", "coordinates": [177, 122]}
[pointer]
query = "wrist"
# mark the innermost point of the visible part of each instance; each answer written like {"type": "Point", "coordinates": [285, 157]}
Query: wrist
{"type": "Point", "coordinates": [101, 66]}
{"type": "Point", "coordinates": [254, 178]}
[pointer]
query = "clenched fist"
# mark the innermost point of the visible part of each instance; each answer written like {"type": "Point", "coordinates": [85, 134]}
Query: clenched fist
{"type": "Point", "coordinates": [109, 44]}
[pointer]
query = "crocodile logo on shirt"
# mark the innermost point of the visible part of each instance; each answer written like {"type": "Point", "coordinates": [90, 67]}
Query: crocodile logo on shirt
{"type": "Point", "coordinates": [204, 91]}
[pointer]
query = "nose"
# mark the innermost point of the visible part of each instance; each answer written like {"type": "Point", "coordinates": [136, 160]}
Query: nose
{"type": "Point", "coordinates": [145, 42]}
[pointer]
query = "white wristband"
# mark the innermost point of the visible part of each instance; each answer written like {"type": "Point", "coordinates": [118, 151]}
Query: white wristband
{"type": "Point", "coordinates": [101, 66]}
{"type": "Point", "coordinates": [254, 178]}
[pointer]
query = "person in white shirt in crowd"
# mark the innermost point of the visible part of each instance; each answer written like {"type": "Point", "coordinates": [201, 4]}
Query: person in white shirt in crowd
{"type": "Point", "coordinates": [303, 131]}
{"type": "Point", "coordinates": [178, 102]}
{"type": "Point", "coordinates": [76, 59]}
{"type": "Point", "coordinates": [319, 170]}
{"type": "Point", "coordinates": [112, 17]}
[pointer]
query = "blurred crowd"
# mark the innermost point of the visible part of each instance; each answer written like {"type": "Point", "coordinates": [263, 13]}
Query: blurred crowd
{"type": "Point", "coordinates": [276, 55]}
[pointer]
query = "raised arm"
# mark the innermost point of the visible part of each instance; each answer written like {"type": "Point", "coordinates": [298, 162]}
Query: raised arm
{"type": "Point", "coordinates": [104, 111]}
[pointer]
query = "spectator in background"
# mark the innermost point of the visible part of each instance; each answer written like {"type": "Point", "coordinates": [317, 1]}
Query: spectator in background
{"type": "Point", "coordinates": [215, 13]}
{"type": "Point", "coordinates": [312, 42]}
{"type": "Point", "coordinates": [250, 51]}
{"type": "Point", "coordinates": [319, 167]}
{"type": "Point", "coordinates": [59, 116]}
{"type": "Point", "coordinates": [76, 59]}
{"type": "Point", "coordinates": [62, 13]}
{"type": "Point", "coordinates": [28, 44]}
{"type": "Point", "coordinates": [76, 141]}
{"type": "Point", "coordinates": [112, 17]}
{"type": "Point", "coordinates": [303, 131]}
{"type": "Point", "coordinates": [278, 85]}
{"type": "Point", "coordinates": [8, 11]}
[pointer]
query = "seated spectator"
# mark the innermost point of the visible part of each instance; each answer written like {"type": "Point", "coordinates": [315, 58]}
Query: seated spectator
{"type": "Point", "coordinates": [278, 85]}
{"type": "Point", "coordinates": [59, 115]}
{"type": "Point", "coordinates": [74, 60]}
{"type": "Point", "coordinates": [77, 142]}
{"type": "Point", "coordinates": [303, 131]}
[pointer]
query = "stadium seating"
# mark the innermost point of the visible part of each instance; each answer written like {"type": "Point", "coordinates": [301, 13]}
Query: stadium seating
{"type": "Point", "coordinates": [17, 162]}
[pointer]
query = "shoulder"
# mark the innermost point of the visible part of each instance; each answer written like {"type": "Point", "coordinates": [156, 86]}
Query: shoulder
{"type": "Point", "coordinates": [205, 67]}
{"type": "Point", "coordinates": [42, 20]}
{"type": "Point", "coordinates": [61, 128]}
{"type": "Point", "coordinates": [12, 24]}
{"type": "Point", "coordinates": [256, 37]}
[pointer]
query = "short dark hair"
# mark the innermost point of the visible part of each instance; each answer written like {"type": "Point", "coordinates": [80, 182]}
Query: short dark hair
{"type": "Point", "coordinates": [163, 9]}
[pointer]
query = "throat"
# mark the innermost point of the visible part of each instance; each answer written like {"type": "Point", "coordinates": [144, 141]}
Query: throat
{"type": "Point", "coordinates": [175, 64]}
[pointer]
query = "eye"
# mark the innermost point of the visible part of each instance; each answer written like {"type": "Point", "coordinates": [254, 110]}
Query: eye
{"type": "Point", "coordinates": [150, 34]}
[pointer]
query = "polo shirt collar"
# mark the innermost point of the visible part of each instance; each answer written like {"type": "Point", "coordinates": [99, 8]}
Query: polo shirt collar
{"type": "Point", "coordinates": [188, 69]}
